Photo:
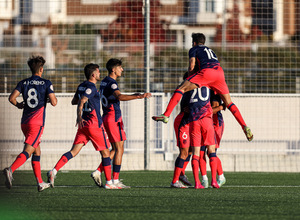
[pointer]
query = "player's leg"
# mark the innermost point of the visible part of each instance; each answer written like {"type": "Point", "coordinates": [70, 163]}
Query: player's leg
{"type": "Point", "coordinates": [195, 167]}
{"type": "Point", "coordinates": [236, 113]}
{"type": "Point", "coordinates": [184, 87]}
{"type": "Point", "coordinates": [213, 164]}
{"type": "Point", "coordinates": [62, 161]}
{"type": "Point", "coordinates": [183, 178]}
{"type": "Point", "coordinates": [179, 163]}
{"type": "Point", "coordinates": [202, 162]}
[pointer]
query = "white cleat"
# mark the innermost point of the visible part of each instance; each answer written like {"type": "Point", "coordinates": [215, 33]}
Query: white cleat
{"type": "Point", "coordinates": [120, 185]}
{"type": "Point", "coordinates": [96, 175]}
{"type": "Point", "coordinates": [110, 186]}
{"type": "Point", "coordinates": [51, 178]}
{"type": "Point", "coordinates": [9, 178]}
{"type": "Point", "coordinates": [248, 133]}
{"type": "Point", "coordinates": [221, 182]}
{"type": "Point", "coordinates": [185, 180]}
{"type": "Point", "coordinates": [42, 186]}
{"type": "Point", "coordinates": [178, 184]}
{"type": "Point", "coordinates": [204, 183]}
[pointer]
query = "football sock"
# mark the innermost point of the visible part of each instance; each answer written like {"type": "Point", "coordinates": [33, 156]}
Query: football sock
{"type": "Point", "coordinates": [20, 160]}
{"type": "Point", "coordinates": [178, 168]}
{"type": "Point", "coordinates": [204, 177]}
{"type": "Point", "coordinates": [219, 167]}
{"type": "Point", "coordinates": [236, 113]}
{"type": "Point", "coordinates": [63, 160]}
{"type": "Point", "coordinates": [106, 168]}
{"type": "Point", "coordinates": [173, 102]}
{"type": "Point", "coordinates": [116, 171]}
{"type": "Point", "coordinates": [36, 166]}
{"type": "Point", "coordinates": [186, 162]}
{"type": "Point", "coordinates": [213, 165]}
{"type": "Point", "coordinates": [202, 161]}
{"type": "Point", "coordinates": [221, 177]}
{"type": "Point", "coordinates": [195, 167]}
{"type": "Point", "coordinates": [100, 168]}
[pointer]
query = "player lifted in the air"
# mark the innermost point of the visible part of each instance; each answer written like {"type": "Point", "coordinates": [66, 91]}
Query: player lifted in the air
{"type": "Point", "coordinates": [204, 70]}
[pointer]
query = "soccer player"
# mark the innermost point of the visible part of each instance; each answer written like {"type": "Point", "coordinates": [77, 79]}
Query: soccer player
{"type": "Point", "coordinates": [112, 118]}
{"type": "Point", "coordinates": [36, 92]}
{"type": "Point", "coordinates": [204, 70]}
{"type": "Point", "coordinates": [218, 121]}
{"type": "Point", "coordinates": [182, 132]}
{"type": "Point", "coordinates": [90, 125]}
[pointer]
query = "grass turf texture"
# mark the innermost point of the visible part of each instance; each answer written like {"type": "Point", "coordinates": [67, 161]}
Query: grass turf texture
{"type": "Point", "coordinates": [75, 196]}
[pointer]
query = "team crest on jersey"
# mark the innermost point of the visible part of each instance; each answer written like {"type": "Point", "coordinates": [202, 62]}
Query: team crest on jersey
{"type": "Point", "coordinates": [114, 86]}
{"type": "Point", "coordinates": [88, 91]}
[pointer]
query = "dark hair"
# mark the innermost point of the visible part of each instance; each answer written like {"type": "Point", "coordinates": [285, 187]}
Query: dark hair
{"type": "Point", "coordinates": [89, 69]}
{"type": "Point", "coordinates": [111, 63]}
{"type": "Point", "coordinates": [35, 63]}
{"type": "Point", "coordinates": [198, 38]}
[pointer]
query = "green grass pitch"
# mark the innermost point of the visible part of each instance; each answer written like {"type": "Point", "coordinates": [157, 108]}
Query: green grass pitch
{"type": "Point", "coordinates": [75, 196]}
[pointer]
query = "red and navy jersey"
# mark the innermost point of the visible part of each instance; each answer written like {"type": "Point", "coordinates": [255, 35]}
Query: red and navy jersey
{"type": "Point", "coordinates": [198, 103]}
{"type": "Point", "coordinates": [205, 57]}
{"type": "Point", "coordinates": [91, 109]}
{"type": "Point", "coordinates": [110, 105]}
{"type": "Point", "coordinates": [217, 118]}
{"type": "Point", "coordinates": [35, 91]}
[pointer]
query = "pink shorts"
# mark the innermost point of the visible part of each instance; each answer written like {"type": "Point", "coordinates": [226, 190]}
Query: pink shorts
{"type": "Point", "coordinates": [32, 134]}
{"type": "Point", "coordinates": [202, 132]}
{"type": "Point", "coordinates": [97, 136]}
{"type": "Point", "coordinates": [182, 132]}
{"type": "Point", "coordinates": [115, 130]}
{"type": "Point", "coordinates": [211, 77]}
{"type": "Point", "coordinates": [219, 133]}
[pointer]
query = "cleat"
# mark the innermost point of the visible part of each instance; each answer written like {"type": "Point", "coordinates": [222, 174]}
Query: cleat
{"type": "Point", "coordinates": [9, 178]}
{"type": "Point", "coordinates": [248, 133]}
{"type": "Point", "coordinates": [185, 180]}
{"type": "Point", "coordinates": [161, 117]}
{"type": "Point", "coordinates": [96, 175]}
{"type": "Point", "coordinates": [110, 186]}
{"type": "Point", "coordinates": [42, 186]}
{"type": "Point", "coordinates": [178, 184]}
{"type": "Point", "coordinates": [120, 185]}
{"type": "Point", "coordinates": [204, 183]}
{"type": "Point", "coordinates": [221, 182]}
{"type": "Point", "coordinates": [199, 186]}
{"type": "Point", "coordinates": [214, 184]}
{"type": "Point", "coordinates": [51, 178]}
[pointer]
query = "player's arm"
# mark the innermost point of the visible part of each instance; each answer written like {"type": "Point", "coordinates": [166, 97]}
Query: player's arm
{"type": "Point", "coordinates": [52, 99]}
{"type": "Point", "coordinates": [192, 63]}
{"type": "Point", "coordinates": [13, 99]}
{"type": "Point", "coordinates": [121, 97]}
{"type": "Point", "coordinates": [80, 121]}
{"type": "Point", "coordinates": [217, 107]}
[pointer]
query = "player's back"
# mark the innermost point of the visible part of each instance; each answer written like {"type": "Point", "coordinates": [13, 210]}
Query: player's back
{"type": "Point", "coordinates": [199, 105]}
{"type": "Point", "coordinates": [91, 108]}
{"type": "Point", "coordinates": [205, 57]}
{"type": "Point", "coordinates": [35, 91]}
{"type": "Point", "coordinates": [110, 104]}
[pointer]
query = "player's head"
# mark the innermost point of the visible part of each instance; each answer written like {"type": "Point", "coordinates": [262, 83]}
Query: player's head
{"type": "Point", "coordinates": [35, 64]}
{"type": "Point", "coordinates": [198, 38]}
{"type": "Point", "coordinates": [186, 74]}
{"type": "Point", "coordinates": [89, 70]}
{"type": "Point", "coordinates": [112, 63]}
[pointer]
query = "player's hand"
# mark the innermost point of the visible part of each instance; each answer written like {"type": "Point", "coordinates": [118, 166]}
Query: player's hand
{"type": "Point", "coordinates": [80, 122]}
{"type": "Point", "coordinates": [147, 95]}
{"type": "Point", "coordinates": [20, 105]}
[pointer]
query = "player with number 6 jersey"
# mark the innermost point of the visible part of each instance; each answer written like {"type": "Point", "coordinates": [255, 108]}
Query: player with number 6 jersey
{"type": "Point", "coordinates": [36, 91]}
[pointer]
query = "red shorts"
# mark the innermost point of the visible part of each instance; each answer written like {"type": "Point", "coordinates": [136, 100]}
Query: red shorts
{"type": "Point", "coordinates": [115, 130]}
{"type": "Point", "coordinates": [211, 77]}
{"type": "Point", "coordinates": [32, 134]}
{"type": "Point", "coordinates": [219, 133]}
{"type": "Point", "coordinates": [202, 129]}
{"type": "Point", "coordinates": [98, 137]}
{"type": "Point", "coordinates": [182, 132]}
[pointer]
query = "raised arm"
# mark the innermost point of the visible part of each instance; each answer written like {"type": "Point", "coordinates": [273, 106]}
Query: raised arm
{"type": "Point", "coordinates": [122, 97]}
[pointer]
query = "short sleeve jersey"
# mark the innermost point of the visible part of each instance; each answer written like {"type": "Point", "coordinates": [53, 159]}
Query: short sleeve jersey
{"type": "Point", "coordinates": [35, 91]}
{"type": "Point", "coordinates": [199, 104]}
{"type": "Point", "coordinates": [110, 105]}
{"type": "Point", "coordinates": [217, 118]}
{"type": "Point", "coordinates": [91, 109]}
{"type": "Point", "coordinates": [205, 57]}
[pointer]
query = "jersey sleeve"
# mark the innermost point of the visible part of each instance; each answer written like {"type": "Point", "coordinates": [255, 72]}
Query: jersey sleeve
{"type": "Point", "coordinates": [113, 87]}
{"type": "Point", "coordinates": [90, 92]}
{"type": "Point", "coordinates": [192, 52]}
{"type": "Point", "coordinates": [19, 86]}
{"type": "Point", "coordinates": [49, 88]}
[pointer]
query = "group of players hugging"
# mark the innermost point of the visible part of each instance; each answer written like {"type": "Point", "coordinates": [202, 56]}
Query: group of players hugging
{"type": "Point", "coordinates": [198, 127]}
